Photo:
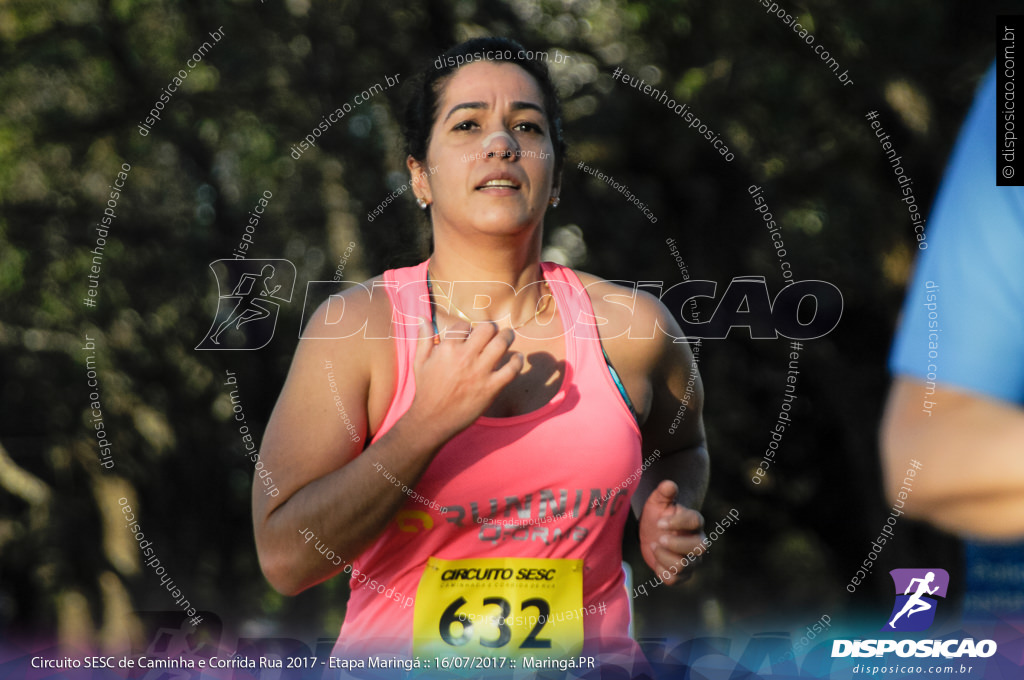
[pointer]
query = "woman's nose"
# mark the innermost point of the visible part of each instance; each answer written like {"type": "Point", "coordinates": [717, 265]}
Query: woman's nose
{"type": "Point", "coordinates": [501, 144]}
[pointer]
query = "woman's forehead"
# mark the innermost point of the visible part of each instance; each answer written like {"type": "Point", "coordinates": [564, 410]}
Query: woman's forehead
{"type": "Point", "coordinates": [487, 82]}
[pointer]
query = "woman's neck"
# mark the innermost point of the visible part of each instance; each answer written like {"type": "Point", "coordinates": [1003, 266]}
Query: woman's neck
{"type": "Point", "coordinates": [483, 283]}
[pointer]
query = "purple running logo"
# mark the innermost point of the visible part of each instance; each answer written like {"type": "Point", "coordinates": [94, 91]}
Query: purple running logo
{"type": "Point", "coordinates": [916, 590]}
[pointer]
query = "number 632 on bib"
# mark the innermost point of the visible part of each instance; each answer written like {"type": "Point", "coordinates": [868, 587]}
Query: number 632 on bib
{"type": "Point", "coordinates": [499, 606]}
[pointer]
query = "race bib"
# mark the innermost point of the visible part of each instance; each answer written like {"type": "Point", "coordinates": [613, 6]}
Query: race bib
{"type": "Point", "coordinates": [509, 606]}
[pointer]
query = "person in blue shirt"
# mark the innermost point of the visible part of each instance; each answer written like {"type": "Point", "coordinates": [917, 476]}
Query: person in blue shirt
{"type": "Point", "coordinates": [957, 401]}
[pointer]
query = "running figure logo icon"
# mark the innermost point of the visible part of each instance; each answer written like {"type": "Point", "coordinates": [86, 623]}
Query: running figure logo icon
{"type": "Point", "coordinates": [257, 287]}
{"type": "Point", "coordinates": [915, 611]}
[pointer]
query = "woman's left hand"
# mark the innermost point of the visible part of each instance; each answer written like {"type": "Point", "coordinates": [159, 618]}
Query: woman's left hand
{"type": "Point", "coordinates": [669, 532]}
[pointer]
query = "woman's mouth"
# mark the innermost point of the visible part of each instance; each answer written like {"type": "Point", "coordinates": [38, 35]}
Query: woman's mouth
{"type": "Point", "coordinates": [499, 182]}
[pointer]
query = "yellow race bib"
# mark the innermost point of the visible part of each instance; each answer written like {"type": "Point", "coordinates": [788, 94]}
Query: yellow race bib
{"type": "Point", "coordinates": [507, 606]}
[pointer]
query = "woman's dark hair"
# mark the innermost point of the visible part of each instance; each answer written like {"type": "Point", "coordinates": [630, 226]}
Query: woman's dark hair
{"type": "Point", "coordinates": [422, 106]}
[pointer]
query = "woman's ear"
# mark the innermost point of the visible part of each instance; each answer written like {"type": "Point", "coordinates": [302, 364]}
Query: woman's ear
{"type": "Point", "coordinates": [418, 179]}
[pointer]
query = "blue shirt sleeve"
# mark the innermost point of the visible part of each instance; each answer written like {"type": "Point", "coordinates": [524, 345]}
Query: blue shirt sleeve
{"type": "Point", "coordinates": [963, 318]}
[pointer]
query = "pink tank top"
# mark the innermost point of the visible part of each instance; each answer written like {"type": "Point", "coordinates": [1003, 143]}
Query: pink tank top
{"type": "Point", "coordinates": [569, 459]}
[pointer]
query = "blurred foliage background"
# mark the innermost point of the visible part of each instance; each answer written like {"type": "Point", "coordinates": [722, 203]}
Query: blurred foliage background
{"type": "Point", "coordinates": [77, 78]}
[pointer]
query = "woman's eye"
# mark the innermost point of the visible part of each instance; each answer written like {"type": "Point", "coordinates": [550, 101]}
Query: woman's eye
{"type": "Point", "coordinates": [529, 127]}
{"type": "Point", "coordinates": [465, 125]}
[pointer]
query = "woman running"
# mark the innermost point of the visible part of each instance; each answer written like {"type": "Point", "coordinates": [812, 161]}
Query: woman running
{"type": "Point", "coordinates": [509, 405]}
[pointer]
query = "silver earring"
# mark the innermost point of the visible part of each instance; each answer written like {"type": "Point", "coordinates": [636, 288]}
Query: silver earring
{"type": "Point", "coordinates": [422, 203]}
{"type": "Point", "coordinates": [555, 200]}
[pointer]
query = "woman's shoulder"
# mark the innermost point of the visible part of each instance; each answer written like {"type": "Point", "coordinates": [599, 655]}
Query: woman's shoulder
{"type": "Point", "coordinates": [624, 303]}
{"type": "Point", "coordinates": [354, 309]}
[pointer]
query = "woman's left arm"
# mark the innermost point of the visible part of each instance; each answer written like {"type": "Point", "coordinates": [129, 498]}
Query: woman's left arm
{"type": "Point", "coordinates": [661, 377]}
{"type": "Point", "coordinates": [671, 491]}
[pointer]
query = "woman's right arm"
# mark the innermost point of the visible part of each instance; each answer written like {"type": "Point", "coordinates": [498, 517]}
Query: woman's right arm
{"type": "Point", "coordinates": [327, 486]}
